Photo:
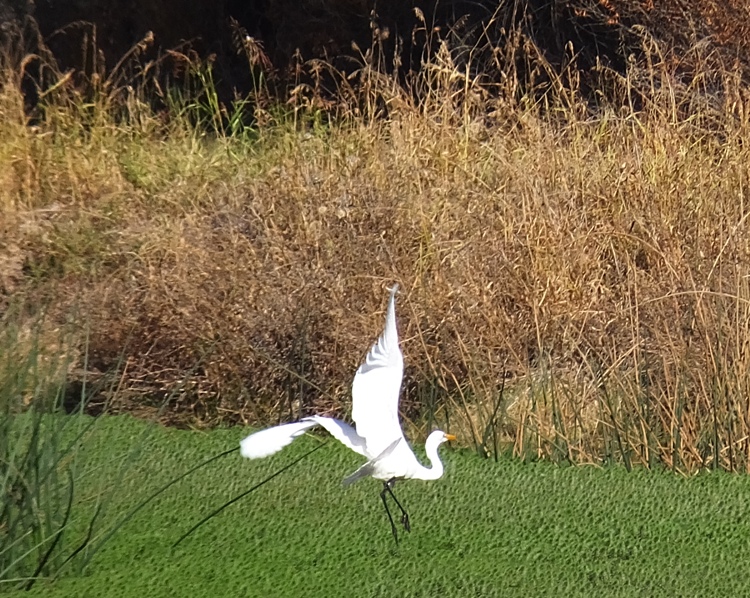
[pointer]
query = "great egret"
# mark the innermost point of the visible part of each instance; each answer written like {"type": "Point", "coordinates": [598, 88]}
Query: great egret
{"type": "Point", "coordinates": [378, 436]}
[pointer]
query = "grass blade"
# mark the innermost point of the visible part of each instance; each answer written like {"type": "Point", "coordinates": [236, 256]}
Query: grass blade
{"type": "Point", "coordinates": [236, 498]}
{"type": "Point", "coordinates": [151, 497]}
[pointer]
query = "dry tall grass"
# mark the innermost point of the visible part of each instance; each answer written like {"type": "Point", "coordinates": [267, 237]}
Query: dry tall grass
{"type": "Point", "coordinates": [575, 280]}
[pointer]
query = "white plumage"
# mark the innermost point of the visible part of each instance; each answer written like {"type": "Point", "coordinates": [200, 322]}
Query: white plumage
{"type": "Point", "coordinates": [378, 435]}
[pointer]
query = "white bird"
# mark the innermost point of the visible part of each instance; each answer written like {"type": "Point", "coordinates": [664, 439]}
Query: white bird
{"type": "Point", "coordinates": [378, 436]}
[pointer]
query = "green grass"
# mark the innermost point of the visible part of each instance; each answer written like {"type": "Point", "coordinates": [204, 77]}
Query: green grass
{"type": "Point", "coordinates": [485, 529]}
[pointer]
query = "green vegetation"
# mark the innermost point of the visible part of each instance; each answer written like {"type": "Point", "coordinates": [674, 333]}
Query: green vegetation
{"type": "Point", "coordinates": [486, 529]}
{"type": "Point", "coordinates": [48, 522]}
{"type": "Point", "coordinates": [576, 289]}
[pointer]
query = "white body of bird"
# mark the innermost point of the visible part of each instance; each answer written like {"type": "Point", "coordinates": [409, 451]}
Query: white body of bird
{"type": "Point", "coordinates": [378, 435]}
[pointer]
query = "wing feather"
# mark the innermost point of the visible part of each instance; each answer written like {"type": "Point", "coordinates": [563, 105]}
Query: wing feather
{"type": "Point", "coordinates": [272, 440]}
{"type": "Point", "coordinates": [376, 388]}
{"type": "Point", "coordinates": [342, 432]}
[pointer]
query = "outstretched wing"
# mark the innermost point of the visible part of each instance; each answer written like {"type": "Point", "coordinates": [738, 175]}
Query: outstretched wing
{"type": "Point", "coordinates": [342, 432]}
{"type": "Point", "coordinates": [376, 388]}
{"type": "Point", "coordinates": [272, 440]}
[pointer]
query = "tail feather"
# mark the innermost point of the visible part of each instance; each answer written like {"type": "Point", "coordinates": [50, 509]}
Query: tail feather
{"type": "Point", "coordinates": [366, 470]}
{"type": "Point", "coordinates": [369, 468]}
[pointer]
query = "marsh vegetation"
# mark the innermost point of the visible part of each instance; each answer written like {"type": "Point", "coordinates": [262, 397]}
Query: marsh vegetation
{"type": "Point", "coordinates": [576, 289]}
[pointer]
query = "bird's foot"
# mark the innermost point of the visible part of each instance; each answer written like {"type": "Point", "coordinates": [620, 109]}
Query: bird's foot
{"type": "Point", "coordinates": [405, 522]}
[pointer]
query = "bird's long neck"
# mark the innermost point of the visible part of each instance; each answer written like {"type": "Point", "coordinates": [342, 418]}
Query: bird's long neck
{"type": "Point", "coordinates": [435, 470]}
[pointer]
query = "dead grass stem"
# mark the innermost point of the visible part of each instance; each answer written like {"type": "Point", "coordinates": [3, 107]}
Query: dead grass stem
{"type": "Point", "coordinates": [575, 281]}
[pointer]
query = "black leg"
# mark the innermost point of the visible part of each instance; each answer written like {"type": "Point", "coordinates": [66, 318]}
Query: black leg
{"type": "Point", "coordinates": [404, 515]}
{"type": "Point", "coordinates": [386, 488]}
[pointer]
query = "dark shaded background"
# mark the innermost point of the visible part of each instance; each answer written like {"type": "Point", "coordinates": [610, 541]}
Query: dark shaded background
{"type": "Point", "coordinates": [608, 31]}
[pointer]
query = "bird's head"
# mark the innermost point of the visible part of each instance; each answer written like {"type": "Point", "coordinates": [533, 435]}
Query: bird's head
{"type": "Point", "coordinates": [438, 437]}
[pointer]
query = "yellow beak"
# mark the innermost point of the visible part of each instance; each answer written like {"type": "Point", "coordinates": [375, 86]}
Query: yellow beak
{"type": "Point", "coordinates": [450, 437]}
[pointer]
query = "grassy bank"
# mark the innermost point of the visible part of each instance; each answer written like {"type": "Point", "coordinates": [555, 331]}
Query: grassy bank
{"type": "Point", "coordinates": [488, 529]}
{"type": "Point", "coordinates": [575, 275]}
